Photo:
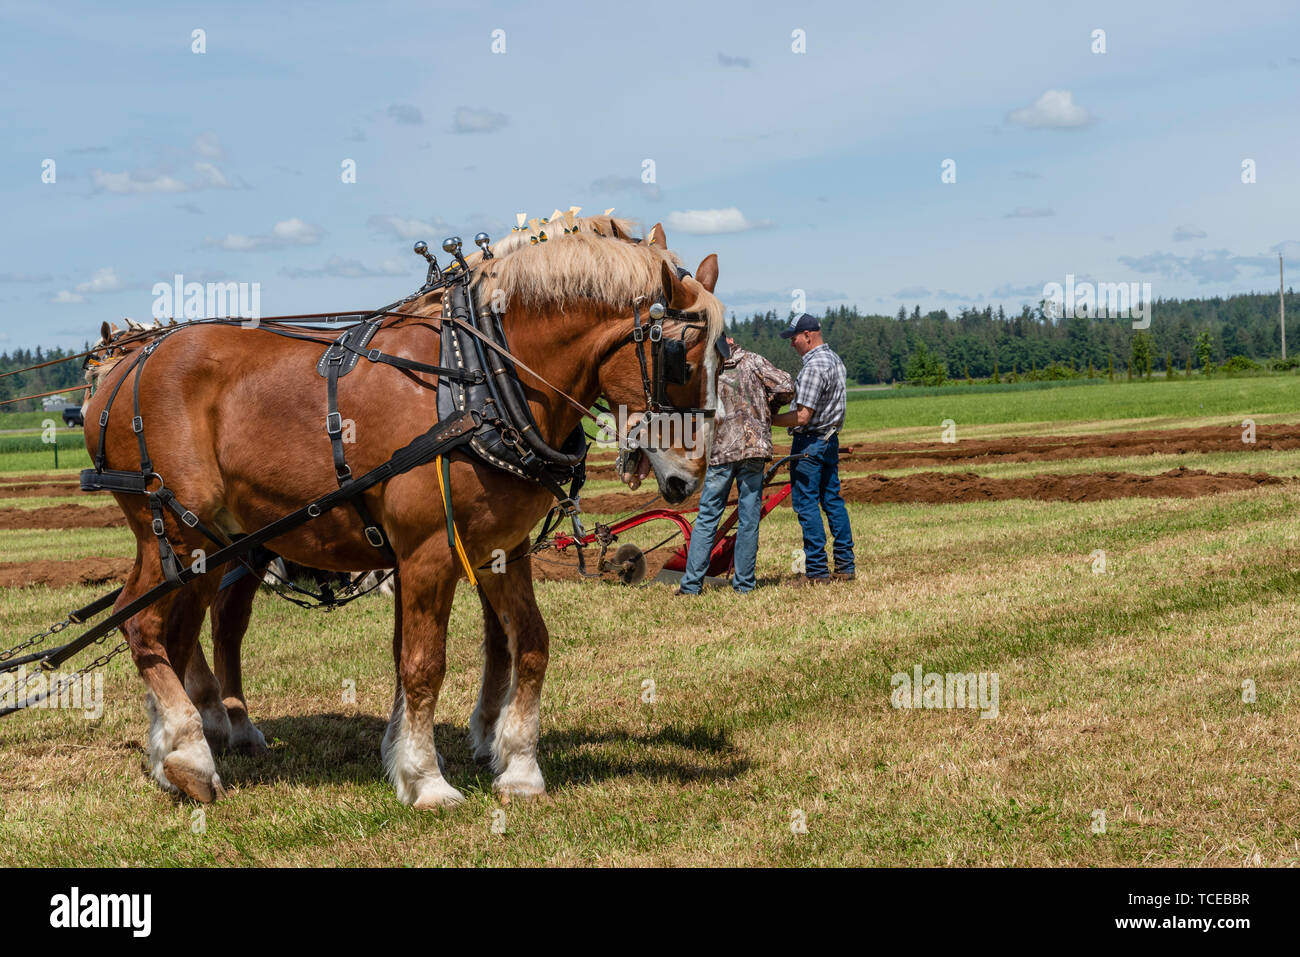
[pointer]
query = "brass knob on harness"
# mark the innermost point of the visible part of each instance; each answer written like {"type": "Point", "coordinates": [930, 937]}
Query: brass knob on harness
{"type": "Point", "coordinates": [481, 241]}
{"type": "Point", "coordinates": [422, 249]}
{"type": "Point", "coordinates": [657, 311]}
{"type": "Point", "coordinates": [451, 245]}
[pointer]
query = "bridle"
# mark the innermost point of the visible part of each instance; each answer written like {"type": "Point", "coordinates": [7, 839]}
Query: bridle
{"type": "Point", "coordinates": [667, 363]}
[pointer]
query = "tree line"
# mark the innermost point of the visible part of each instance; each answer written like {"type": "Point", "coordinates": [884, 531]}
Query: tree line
{"type": "Point", "coordinates": [990, 343]}
{"type": "Point", "coordinates": [62, 375]}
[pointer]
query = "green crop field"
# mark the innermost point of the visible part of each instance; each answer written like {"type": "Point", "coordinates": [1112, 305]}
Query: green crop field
{"type": "Point", "coordinates": [1158, 402]}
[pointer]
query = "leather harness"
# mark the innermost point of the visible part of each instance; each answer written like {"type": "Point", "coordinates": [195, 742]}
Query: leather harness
{"type": "Point", "coordinates": [477, 382]}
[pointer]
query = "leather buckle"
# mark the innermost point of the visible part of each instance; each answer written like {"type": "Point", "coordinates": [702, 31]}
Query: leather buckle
{"type": "Point", "coordinates": [656, 332]}
{"type": "Point", "coordinates": [374, 536]}
{"type": "Point", "coordinates": [373, 355]}
{"type": "Point", "coordinates": [189, 518]}
{"type": "Point", "coordinates": [638, 334]}
{"type": "Point", "coordinates": [137, 424]}
{"type": "Point", "coordinates": [334, 424]}
{"type": "Point", "coordinates": [103, 418]}
{"type": "Point", "coordinates": [344, 474]}
{"type": "Point", "coordinates": [158, 528]}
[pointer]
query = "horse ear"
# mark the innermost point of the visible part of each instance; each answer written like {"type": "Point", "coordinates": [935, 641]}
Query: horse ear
{"type": "Point", "coordinates": [618, 233]}
{"type": "Point", "coordinates": [657, 237]}
{"type": "Point", "coordinates": [105, 331]}
{"type": "Point", "coordinates": [707, 272]}
{"type": "Point", "coordinates": [674, 290]}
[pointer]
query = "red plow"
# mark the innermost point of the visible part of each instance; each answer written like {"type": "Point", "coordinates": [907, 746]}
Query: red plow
{"type": "Point", "coordinates": [628, 562]}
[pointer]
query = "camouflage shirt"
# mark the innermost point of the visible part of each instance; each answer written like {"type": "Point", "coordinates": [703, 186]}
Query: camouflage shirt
{"type": "Point", "coordinates": [749, 389]}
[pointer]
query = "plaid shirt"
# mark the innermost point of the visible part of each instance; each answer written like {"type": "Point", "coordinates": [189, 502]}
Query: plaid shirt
{"type": "Point", "coordinates": [821, 386]}
{"type": "Point", "coordinates": [748, 388]}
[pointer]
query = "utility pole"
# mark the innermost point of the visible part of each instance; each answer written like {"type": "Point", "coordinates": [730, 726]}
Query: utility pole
{"type": "Point", "coordinates": [1281, 303]}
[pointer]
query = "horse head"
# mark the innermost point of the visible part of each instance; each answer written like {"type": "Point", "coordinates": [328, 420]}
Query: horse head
{"type": "Point", "coordinates": [673, 440]}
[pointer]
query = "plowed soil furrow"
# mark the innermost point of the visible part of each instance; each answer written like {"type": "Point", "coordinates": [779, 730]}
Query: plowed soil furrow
{"type": "Point", "coordinates": [1051, 448]}
{"type": "Point", "coordinates": [84, 571]}
{"type": "Point", "coordinates": [63, 516]}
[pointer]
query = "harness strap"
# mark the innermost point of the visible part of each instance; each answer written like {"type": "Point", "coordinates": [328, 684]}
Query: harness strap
{"type": "Point", "coordinates": [342, 471]}
{"type": "Point", "coordinates": [101, 454]}
{"type": "Point", "coordinates": [443, 468]}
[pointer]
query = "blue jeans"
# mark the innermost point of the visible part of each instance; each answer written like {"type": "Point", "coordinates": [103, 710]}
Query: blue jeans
{"type": "Point", "coordinates": [816, 486]}
{"type": "Point", "coordinates": [748, 476]}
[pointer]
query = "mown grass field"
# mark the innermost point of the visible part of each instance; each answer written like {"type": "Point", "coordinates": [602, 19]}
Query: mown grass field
{"type": "Point", "coordinates": [1119, 691]}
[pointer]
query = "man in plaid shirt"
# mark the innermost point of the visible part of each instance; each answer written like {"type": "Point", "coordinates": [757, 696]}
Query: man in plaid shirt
{"type": "Point", "coordinates": [749, 389]}
{"type": "Point", "coordinates": [815, 420]}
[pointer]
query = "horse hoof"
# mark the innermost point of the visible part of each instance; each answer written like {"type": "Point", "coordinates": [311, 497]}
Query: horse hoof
{"type": "Point", "coordinates": [193, 778]}
{"type": "Point", "coordinates": [520, 787]}
{"type": "Point", "coordinates": [249, 740]}
{"type": "Point", "coordinates": [438, 794]}
{"type": "Point", "coordinates": [202, 788]}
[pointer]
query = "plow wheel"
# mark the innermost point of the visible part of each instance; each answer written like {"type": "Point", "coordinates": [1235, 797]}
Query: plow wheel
{"type": "Point", "coordinates": [629, 564]}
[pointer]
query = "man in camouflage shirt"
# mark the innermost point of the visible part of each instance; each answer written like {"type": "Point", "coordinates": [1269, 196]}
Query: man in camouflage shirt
{"type": "Point", "coordinates": [750, 389]}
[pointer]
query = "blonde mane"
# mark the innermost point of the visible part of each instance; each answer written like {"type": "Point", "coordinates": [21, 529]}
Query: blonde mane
{"type": "Point", "coordinates": [588, 263]}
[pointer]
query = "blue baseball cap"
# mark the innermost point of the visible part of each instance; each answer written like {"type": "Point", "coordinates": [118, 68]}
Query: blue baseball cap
{"type": "Point", "coordinates": [804, 323]}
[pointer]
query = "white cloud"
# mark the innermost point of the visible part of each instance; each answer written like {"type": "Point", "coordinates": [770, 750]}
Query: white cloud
{"type": "Point", "coordinates": [288, 232]}
{"type": "Point", "coordinates": [211, 176]}
{"type": "Point", "coordinates": [1216, 265]}
{"type": "Point", "coordinates": [404, 228]}
{"type": "Point", "coordinates": [127, 183]}
{"type": "Point", "coordinates": [104, 280]}
{"type": "Point", "coordinates": [297, 232]}
{"type": "Point", "coordinates": [1055, 109]}
{"type": "Point", "coordinates": [706, 222]}
{"type": "Point", "coordinates": [469, 120]}
{"type": "Point", "coordinates": [1186, 232]}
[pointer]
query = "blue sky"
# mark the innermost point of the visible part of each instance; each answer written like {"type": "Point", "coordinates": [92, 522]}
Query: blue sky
{"type": "Point", "coordinates": [818, 171]}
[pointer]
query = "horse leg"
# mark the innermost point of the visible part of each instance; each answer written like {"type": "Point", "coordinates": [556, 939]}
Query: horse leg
{"type": "Point", "coordinates": [428, 584]}
{"type": "Point", "coordinates": [496, 678]}
{"type": "Point", "coordinates": [161, 638]}
{"type": "Point", "coordinates": [231, 611]}
{"type": "Point", "coordinates": [513, 747]}
{"type": "Point", "coordinates": [205, 691]}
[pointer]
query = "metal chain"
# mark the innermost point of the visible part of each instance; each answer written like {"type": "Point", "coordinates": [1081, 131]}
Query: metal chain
{"type": "Point", "coordinates": [57, 690]}
{"type": "Point", "coordinates": [34, 640]}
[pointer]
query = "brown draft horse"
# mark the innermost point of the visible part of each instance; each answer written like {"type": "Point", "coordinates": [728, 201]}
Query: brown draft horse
{"type": "Point", "coordinates": [236, 453]}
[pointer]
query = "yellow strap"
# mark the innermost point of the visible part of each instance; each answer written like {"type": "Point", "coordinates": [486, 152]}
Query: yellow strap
{"type": "Point", "coordinates": [460, 549]}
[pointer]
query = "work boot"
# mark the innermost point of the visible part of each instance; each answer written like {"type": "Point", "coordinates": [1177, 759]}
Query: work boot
{"type": "Point", "coordinates": [805, 581]}
{"type": "Point", "coordinates": [844, 576]}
